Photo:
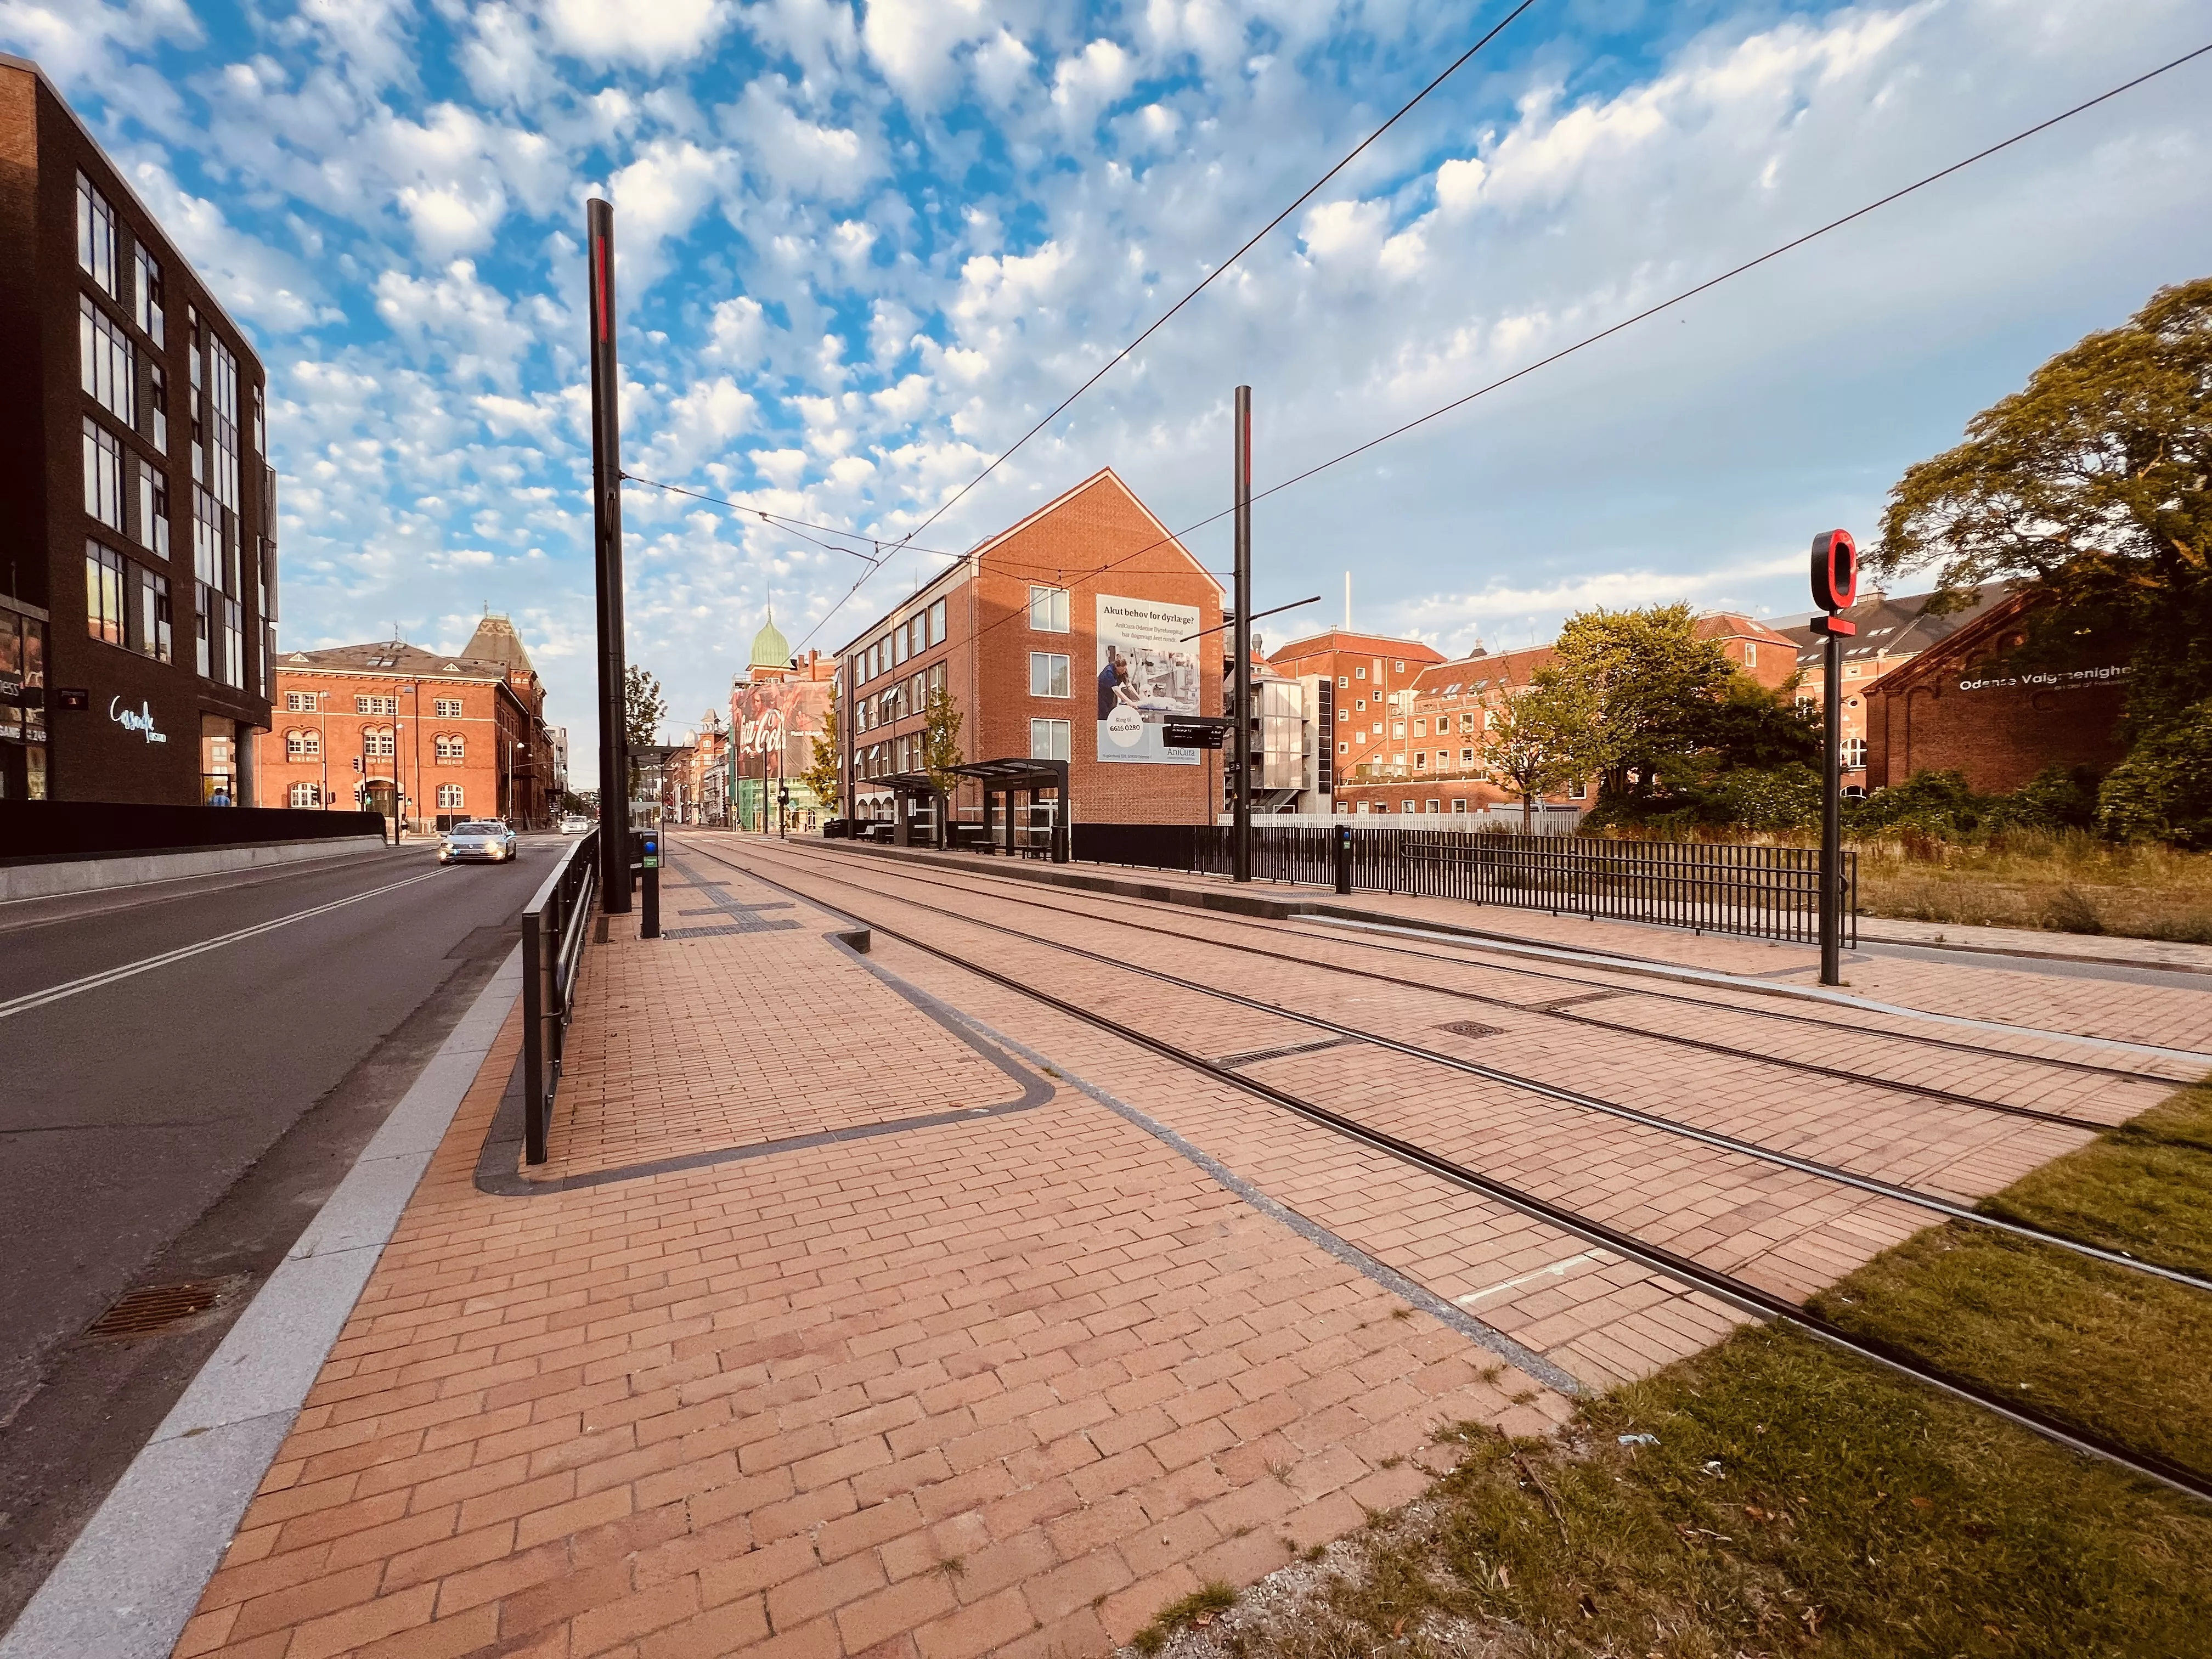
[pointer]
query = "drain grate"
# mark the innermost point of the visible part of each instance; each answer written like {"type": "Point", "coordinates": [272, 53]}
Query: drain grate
{"type": "Point", "coordinates": [1471, 1028]}
{"type": "Point", "coordinates": [153, 1308]}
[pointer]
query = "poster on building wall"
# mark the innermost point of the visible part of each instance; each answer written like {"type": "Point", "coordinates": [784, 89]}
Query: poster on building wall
{"type": "Point", "coordinates": [1147, 671]}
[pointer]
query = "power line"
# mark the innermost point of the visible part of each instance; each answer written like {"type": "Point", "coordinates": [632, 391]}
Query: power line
{"type": "Point", "coordinates": [796, 527]}
{"type": "Point", "coordinates": [1404, 110]}
{"type": "Point", "coordinates": [1650, 312]}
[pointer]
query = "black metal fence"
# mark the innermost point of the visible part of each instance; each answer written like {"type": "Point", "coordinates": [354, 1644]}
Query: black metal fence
{"type": "Point", "coordinates": [552, 951]}
{"type": "Point", "coordinates": [1766, 892]}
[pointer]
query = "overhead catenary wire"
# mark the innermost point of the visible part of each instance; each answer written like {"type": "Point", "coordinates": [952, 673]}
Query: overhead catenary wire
{"type": "Point", "coordinates": [1305, 196]}
{"type": "Point", "coordinates": [1649, 312]}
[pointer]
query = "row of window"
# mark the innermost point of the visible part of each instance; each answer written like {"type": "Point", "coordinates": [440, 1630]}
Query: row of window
{"type": "Point", "coordinates": [310, 703]}
{"type": "Point", "coordinates": [923, 629]}
{"type": "Point", "coordinates": [305, 742]}
{"type": "Point", "coordinates": [909, 697]}
{"type": "Point", "coordinates": [311, 794]}
{"type": "Point", "coordinates": [125, 604]}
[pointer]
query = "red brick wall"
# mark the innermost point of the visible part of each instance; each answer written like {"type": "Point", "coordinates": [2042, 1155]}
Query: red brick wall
{"type": "Point", "coordinates": [1999, 736]}
{"type": "Point", "coordinates": [487, 720]}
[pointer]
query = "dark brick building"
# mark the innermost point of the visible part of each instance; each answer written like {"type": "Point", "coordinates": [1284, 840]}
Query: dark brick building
{"type": "Point", "coordinates": [138, 574]}
{"type": "Point", "coordinates": [1976, 702]}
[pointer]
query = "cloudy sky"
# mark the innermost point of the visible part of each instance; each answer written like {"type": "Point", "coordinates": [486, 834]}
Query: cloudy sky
{"type": "Point", "coordinates": [864, 246]}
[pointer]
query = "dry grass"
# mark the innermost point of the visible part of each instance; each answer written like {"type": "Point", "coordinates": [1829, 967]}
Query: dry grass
{"type": "Point", "coordinates": [2065, 882]}
{"type": "Point", "coordinates": [1778, 1497]}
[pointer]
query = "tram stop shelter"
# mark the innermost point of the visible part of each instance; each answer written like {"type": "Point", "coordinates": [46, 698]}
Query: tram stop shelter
{"type": "Point", "coordinates": [918, 808]}
{"type": "Point", "coordinates": [1002, 830]}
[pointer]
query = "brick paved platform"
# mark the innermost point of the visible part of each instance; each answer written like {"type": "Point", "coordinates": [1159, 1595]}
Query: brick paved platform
{"type": "Point", "coordinates": [1000, 1385]}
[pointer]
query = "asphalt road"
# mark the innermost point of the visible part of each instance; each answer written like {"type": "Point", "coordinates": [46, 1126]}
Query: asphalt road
{"type": "Point", "coordinates": [186, 1121]}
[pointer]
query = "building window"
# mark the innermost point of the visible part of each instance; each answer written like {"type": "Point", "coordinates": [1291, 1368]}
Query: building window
{"type": "Point", "coordinates": [1344, 749]}
{"type": "Point", "coordinates": [299, 745]}
{"type": "Point", "coordinates": [103, 475]}
{"type": "Point", "coordinates": [107, 363]}
{"type": "Point", "coordinates": [298, 701]}
{"type": "Point", "coordinates": [1467, 757]}
{"type": "Point", "coordinates": [376, 705]}
{"type": "Point", "coordinates": [95, 235]}
{"type": "Point", "coordinates": [449, 748]}
{"type": "Point", "coordinates": [223, 397]}
{"type": "Point", "coordinates": [1051, 740]}
{"type": "Point", "coordinates": [1343, 683]}
{"type": "Point", "coordinates": [1047, 675]}
{"type": "Point", "coordinates": [1360, 673]}
{"type": "Point", "coordinates": [1854, 756]}
{"type": "Point", "coordinates": [1751, 654]}
{"type": "Point", "coordinates": [155, 622]}
{"type": "Point", "coordinates": [1397, 728]}
{"type": "Point", "coordinates": [1406, 806]}
{"type": "Point", "coordinates": [1578, 790]}
{"type": "Point", "coordinates": [1400, 667]}
{"type": "Point", "coordinates": [260, 423]}
{"type": "Point", "coordinates": [1360, 702]}
{"type": "Point", "coordinates": [157, 406]}
{"type": "Point", "coordinates": [448, 708]}
{"type": "Point", "coordinates": [146, 295]}
{"type": "Point", "coordinates": [449, 797]}
{"type": "Point", "coordinates": [153, 509]}
{"type": "Point", "coordinates": [1343, 714]}
{"type": "Point", "coordinates": [936, 622]}
{"type": "Point", "coordinates": [1049, 610]}
{"type": "Point", "coordinates": [1378, 728]}
{"type": "Point", "coordinates": [302, 794]}
{"type": "Point", "coordinates": [222, 637]}
{"type": "Point", "coordinates": [103, 593]}
{"type": "Point", "coordinates": [1459, 803]}
{"type": "Point", "coordinates": [207, 538]}
{"type": "Point", "coordinates": [1421, 728]}
{"type": "Point", "coordinates": [1421, 761]}
{"type": "Point", "coordinates": [898, 645]}
{"type": "Point", "coordinates": [376, 742]}
{"type": "Point", "coordinates": [1431, 806]}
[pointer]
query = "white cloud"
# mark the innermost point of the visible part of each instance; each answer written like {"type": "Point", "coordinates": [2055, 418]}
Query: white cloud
{"type": "Point", "coordinates": [657, 198]}
{"type": "Point", "coordinates": [1085, 83]}
{"type": "Point", "coordinates": [656, 35]}
{"type": "Point", "coordinates": [912, 42]}
{"type": "Point", "coordinates": [455, 316]}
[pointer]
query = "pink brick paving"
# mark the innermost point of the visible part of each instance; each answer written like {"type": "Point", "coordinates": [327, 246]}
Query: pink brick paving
{"type": "Point", "coordinates": [1003, 1387]}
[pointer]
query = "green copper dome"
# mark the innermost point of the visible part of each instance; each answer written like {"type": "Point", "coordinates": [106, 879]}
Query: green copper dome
{"type": "Point", "coordinates": [770, 648]}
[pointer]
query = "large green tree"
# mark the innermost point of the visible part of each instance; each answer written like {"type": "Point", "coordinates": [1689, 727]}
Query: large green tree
{"type": "Point", "coordinates": [2092, 486]}
{"type": "Point", "coordinates": [1540, 738]}
{"type": "Point", "coordinates": [1665, 711]}
{"type": "Point", "coordinates": [824, 774]}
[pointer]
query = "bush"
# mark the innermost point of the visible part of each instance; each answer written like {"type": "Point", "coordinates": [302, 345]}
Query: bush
{"type": "Point", "coordinates": [1773, 798]}
{"type": "Point", "coordinates": [2163, 790]}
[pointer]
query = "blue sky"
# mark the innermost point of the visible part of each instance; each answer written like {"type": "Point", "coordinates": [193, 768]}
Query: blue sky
{"type": "Point", "coordinates": [864, 247]}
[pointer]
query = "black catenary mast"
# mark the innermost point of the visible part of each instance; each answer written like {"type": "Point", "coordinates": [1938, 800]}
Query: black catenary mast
{"type": "Point", "coordinates": [606, 532]}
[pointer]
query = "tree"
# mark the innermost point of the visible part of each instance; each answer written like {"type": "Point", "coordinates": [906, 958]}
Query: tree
{"type": "Point", "coordinates": [940, 740]}
{"type": "Point", "coordinates": [825, 772]}
{"type": "Point", "coordinates": [1647, 680]}
{"type": "Point", "coordinates": [643, 709]}
{"type": "Point", "coordinates": [1540, 737]}
{"type": "Point", "coordinates": [2092, 486]}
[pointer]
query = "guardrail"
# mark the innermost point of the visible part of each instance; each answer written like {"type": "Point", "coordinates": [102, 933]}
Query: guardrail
{"type": "Point", "coordinates": [1763, 892]}
{"type": "Point", "coordinates": [552, 951]}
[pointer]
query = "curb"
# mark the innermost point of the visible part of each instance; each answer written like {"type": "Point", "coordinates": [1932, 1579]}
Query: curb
{"type": "Point", "coordinates": [130, 1582]}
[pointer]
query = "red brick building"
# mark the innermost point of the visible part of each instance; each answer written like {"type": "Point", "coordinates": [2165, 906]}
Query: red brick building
{"type": "Point", "coordinates": [1892, 632]}
{"type": "Point", "coordinates": [1062, 637]}
{"type": "Point", "coordinates": [1965, 704]}
{"type": "Point", "coordinates": [396, 729]}
{"type": "Point", "coordinates": [1373, 676]}
{"type": "Point", "coordinates": [1437, 760]}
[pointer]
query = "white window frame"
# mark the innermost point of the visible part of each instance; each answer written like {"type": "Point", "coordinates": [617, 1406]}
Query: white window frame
{"type": "Point", "coordinates": [303, 795]}
{"type": "Point", "coordinates": [1048, 670]}
{"type": "Point", "coordinates": [386, 707]}
{"type": "Point", "coordinates": [447, 708]}
{"type": "Point", "coordinates": [1055, 603]}
{"type": "Point", "coordinates": [1751, 654]}
{"type": "Point", "coordinates": [1057, 737]}
{"type": "Point", "coordinates": [450, 798]}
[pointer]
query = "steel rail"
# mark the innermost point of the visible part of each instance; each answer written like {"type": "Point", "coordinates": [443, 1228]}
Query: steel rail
{"type": "Point", "coordinates": [1895, 1085]}
{"type": "Point", "coordinates": [1724, 1287]}
{"type": "Point", "coordinates": [1870, 1184]}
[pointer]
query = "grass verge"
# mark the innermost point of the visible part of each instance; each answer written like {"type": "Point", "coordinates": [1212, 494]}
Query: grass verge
{"type": "Point", "coordinates": [1774, 1497]}
{"type": "Point", "coordinates": [2063, 882]}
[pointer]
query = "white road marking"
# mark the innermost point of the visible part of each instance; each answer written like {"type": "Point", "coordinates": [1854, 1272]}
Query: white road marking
{"type": "Point", "coordinates": [31, 999]}
{"type": "Point", "coordinates": [1556, 1268]}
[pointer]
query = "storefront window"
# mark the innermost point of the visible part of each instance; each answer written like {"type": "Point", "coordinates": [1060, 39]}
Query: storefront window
{"type": "Point", "coordinates": [22, 708]}
{"type": "Point", "coordinates": [218, 760]}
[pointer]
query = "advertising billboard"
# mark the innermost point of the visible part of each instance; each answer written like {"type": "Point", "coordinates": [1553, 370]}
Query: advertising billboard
{"type": "Point", "coordinates": [1147, 671]}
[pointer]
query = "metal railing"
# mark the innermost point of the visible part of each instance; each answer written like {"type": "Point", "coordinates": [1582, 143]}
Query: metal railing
{"type": "Point", "coordinates": [552, 952]}
{"type": "Point", "coordinates": [1763, 892]}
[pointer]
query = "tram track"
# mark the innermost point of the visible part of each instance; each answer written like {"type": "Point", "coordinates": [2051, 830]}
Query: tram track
{"type": "Point", "coordinates": [1562, 1014]}
{"type": "Point", "coordinates": [1918, 1198]}
{"type": "Point", "coordinates": [1729, 1289]}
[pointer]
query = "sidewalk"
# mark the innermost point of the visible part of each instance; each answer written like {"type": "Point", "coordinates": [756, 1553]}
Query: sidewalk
{"type": "Point", "coordinates": [830, 1329]}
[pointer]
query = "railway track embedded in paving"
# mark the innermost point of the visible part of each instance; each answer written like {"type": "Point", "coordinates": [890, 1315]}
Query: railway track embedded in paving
{"type": "Point", "coordinates": [1722, 1286]}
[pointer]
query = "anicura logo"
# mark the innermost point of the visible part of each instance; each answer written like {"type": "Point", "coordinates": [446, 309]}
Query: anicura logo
{"type": "Point", "coordinates": [140, 720]}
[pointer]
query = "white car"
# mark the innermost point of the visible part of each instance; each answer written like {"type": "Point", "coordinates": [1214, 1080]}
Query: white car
{"type": "Point", "coordinates": [483, 840]}
{"type": "Point", "coordinates": [576, 824]}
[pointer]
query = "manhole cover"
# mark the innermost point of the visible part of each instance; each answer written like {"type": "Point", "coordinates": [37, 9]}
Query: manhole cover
{"type": "Point", "coordinates": [153, 1308]}
{"type": "Point", "coordinates": [1471, 1028]}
